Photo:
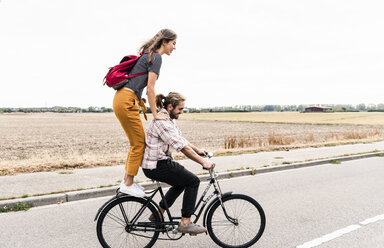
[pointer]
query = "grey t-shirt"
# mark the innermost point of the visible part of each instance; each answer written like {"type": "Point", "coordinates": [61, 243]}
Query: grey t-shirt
{"type": "Point", "coordinates": [137, 84]}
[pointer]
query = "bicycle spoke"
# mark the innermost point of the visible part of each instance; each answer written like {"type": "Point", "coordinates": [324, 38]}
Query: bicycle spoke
{"type": "Point", "coordinates": [114, 229]}
{"type": "Point", "coordinates": [116, 219]}
{"type": "Point", "coordinates": [229, 229]}
{"type": "Point", "coordinates": [222, 223]}
{"type": "Point", "coordinates": [247, 226]}
{"type": "Point", "coordinates": [240, 234]}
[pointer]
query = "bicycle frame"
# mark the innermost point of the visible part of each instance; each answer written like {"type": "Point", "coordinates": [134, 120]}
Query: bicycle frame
{"type": "Point", "coordinates": [217, 191]}
{"type": "Point", "coordinates": [171, 218]}
{"type": "Point", "coordinates": [199, 208]}
{"type": "Point", "coordinates": [123, 209]}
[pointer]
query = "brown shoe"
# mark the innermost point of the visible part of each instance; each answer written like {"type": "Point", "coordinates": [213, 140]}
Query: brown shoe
{"type": "Point", "coordinates": [152, 217]}
{"type": "Point", "coordinates": [191, 228]}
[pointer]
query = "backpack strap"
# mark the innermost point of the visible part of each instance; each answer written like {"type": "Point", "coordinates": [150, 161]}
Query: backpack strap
{"type": "Point", "coordinates": [137, 74]}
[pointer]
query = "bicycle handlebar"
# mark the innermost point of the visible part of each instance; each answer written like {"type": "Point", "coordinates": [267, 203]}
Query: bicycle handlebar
{"type": "Point", "coordinates": [209, 155]}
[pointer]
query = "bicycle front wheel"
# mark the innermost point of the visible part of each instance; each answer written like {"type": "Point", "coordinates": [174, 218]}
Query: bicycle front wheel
{"type": "Point", "coordinates": [115, 227]}
{"type": "Point", "coordinates": [239, 222]}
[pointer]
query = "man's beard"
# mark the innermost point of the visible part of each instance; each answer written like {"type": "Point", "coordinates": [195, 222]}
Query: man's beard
{"type": "Point", "coordinates": [173, 116]}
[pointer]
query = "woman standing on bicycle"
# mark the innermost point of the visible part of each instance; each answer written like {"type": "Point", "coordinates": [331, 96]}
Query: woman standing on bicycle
{"type": "Point", "coordinates": [128, 100]}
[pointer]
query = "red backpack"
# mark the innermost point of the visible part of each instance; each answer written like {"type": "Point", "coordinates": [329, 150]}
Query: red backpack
{"type": "Point", "coordinates": [118, 75]}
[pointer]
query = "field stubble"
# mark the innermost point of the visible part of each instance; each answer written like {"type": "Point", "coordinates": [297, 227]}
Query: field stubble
{"type": "Point", "coordinates": [50, 141]}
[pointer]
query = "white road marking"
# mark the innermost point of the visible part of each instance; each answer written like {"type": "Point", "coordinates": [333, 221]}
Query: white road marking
{"type": "Point", "coordinates": [371, 220]}
{"type": "Point", "coordinates": [339, 232]}
{"type": "Point", "coordinates": [329, 237]}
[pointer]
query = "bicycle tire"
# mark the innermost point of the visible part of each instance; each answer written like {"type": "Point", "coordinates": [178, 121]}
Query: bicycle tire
{"type": "Point", "coordinates": [111, 226]}
{"type": "Point", "coordinates": [251, 222]}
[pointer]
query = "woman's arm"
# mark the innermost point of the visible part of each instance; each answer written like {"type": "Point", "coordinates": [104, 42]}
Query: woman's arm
{"type": "Point", "coordinates": [151, 93]}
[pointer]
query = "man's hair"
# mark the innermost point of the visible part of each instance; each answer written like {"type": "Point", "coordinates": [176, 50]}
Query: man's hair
{"type": "Point", "coordinates": [173, 98]}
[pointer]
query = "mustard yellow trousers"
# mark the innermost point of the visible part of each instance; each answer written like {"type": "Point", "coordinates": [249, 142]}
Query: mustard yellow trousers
{"type": "Point", "coordinates": [126, 107]}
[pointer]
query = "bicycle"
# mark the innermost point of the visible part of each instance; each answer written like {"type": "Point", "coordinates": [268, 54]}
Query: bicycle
{"type": "Point", "coordinates": [124, 220]}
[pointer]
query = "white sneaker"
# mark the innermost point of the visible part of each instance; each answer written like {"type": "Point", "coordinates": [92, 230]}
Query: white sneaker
{"type": "Point", "coordinates": [132, 190]}
{"type": "Point", "coordinates": [138, 185]}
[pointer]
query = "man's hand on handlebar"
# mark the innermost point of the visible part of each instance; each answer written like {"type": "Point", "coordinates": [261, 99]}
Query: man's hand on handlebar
{"type": "Point", "coordinates": [201, 152]}
{"type": "Point", "coordinates": [208, 165]}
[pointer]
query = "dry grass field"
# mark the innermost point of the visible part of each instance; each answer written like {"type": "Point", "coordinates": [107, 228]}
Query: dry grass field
{"type": "Point", "coordinates": [348, 118]}
{"type": "Point", "coordinates": [50, 141]}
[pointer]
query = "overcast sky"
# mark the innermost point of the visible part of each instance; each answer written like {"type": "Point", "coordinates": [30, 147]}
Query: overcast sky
{"type": "Point", "coordinates": [228, 52]}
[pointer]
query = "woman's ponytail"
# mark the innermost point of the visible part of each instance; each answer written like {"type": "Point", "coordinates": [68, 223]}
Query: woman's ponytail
{"type": "Point", "coordinates": [160, 101]}
{"type": "Point", "coordinates": [172, 98]}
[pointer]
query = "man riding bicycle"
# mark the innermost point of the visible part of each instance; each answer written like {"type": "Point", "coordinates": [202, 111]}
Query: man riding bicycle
{"type": "Point", "coordinates": [158, 164]}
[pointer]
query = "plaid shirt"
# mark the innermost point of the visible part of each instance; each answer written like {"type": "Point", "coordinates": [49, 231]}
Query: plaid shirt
{"type": "Point", "coordinates": [160, 137]}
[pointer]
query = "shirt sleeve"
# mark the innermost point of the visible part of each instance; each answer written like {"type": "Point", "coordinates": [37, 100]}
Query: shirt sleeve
{"type": "Point", "coordinates": [156, 64]}
{"type": "Point", "coordinates": [170, 135]}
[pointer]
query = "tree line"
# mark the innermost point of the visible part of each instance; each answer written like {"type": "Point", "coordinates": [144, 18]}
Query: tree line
{"type": "Point", "coordinates": [300, 108]}
{"type": "Point", "coordinates": [237, 108]}
{"type": "Point", "coordinates": [57, 109]}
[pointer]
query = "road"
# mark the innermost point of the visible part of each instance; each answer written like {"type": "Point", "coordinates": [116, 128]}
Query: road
{"type": "Point", "coordinates": [334, 205]}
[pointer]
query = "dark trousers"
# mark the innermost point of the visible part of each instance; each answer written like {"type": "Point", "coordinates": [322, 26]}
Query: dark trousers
{"type": "Point", "coordinates": [174, 174]}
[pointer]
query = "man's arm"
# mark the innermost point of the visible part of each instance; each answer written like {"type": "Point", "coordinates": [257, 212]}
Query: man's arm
{"type": "Point", "coordinates": [200, 152]}
{"type": "Point", "coordinates": [191, 154]}
{"type": "Point", "coordinates": [170, 136]}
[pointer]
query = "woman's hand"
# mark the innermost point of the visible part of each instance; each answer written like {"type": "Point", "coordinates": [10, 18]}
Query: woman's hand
{"type": "Point", "coordinates": [161, 116]}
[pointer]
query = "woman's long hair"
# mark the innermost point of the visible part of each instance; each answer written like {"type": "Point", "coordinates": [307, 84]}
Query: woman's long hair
{"type": "Point", "coordinates": [155, 43]}
{"type": "Point", "coordinates": [173, 98]}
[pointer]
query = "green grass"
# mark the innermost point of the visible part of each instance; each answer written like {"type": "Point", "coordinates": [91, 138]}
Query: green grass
{"type": "Point", "coordinates": [17, 207]}
{"type": "Point", "coordinates": [106, 186]}
{"type": "Point", "coordinates": [380, 155]}
{"type": "Point", "coordinates": [278, 157]}
{"type": "Point", "coordinates": [201, 173]}
{"type": "Point", "coordinates": [65, 172]}
{"type": "Point", "coordinates": [286, 162]}
{"type": "Point", "coordinates": [335, 162]}
{"type": "Point", "coordinates": [8, 198]}
{"type": "Point", "coordinates": [330, 144]}
{"type": "Point", "coordinates": [24, 196]}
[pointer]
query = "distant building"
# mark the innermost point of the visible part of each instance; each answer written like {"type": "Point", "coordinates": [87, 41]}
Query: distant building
{"type": "Point", "coordinates": [317, 109]}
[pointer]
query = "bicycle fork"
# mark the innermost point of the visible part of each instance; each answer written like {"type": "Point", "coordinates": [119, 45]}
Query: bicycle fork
{"type": "Point", "coordinates": [219, 196]}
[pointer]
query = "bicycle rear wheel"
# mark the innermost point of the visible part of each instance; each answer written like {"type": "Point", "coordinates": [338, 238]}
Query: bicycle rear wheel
{"type": "Point", "coordinates": [243, 228]}
{"type": "Point", "coordinates": [114, 231]}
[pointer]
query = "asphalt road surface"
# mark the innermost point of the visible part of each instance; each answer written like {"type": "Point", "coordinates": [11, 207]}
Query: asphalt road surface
{"type": "Point", "coordinates": [334, 205]}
